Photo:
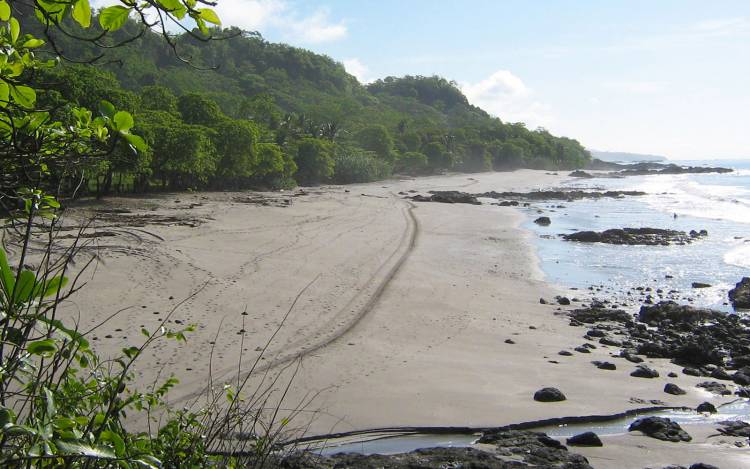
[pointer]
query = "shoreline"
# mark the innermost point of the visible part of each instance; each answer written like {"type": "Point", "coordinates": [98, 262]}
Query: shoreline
{"type": "Point", "coordinates": [472, 281]}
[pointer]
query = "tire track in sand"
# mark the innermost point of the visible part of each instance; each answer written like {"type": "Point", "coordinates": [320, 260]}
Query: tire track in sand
{"type": "Point", "coordinates": [316, 341]}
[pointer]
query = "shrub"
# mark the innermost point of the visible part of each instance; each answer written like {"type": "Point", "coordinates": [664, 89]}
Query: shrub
{"type": "Point", "coordinates": [359, 167]}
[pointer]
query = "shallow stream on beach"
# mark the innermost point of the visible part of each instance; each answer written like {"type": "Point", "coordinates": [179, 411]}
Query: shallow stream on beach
{"type": "Point", "coordinates": [390, 444]}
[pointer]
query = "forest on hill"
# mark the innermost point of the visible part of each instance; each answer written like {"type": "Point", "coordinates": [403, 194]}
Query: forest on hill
{"type": "Point", "coordinates": [242, 112]}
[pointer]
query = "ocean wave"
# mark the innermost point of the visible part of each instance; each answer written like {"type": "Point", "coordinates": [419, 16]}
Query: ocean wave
{"type": "Point", "coordinates": [739, 256]}
{"type": "Point", "coordinates": [683, 196]}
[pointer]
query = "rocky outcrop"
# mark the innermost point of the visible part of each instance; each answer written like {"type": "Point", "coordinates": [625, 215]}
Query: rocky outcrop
{"type": "Point", "coordinates": [660, 428]}
{"type": "Point", "coordinates": [580, 174]}
{"type": "Point", "coordinates": [740, 294]}
{"type": "Point", "coordinates": [635, 236]}
{"type": "Point", "coordinates": [532, 448]}
{"type": "Point", "coordinates": [447, 197]}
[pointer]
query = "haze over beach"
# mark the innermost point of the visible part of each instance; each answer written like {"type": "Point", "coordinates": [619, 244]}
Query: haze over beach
{"type": "Point", "coordinates": [276, 234]}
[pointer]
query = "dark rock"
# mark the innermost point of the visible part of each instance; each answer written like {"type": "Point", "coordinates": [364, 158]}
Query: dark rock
{"type": "Point", "coordinates": [670, 310]}
{"type": "Point", "coordinates": [508, 203]}
{"type": "Point", "coordinates": [691, 371]}
{"type": "Point", "coordinates": [582, 349]}
{"type": "Point", "coordinates": [660, 428]}
{"type": "Point", "coordinates": [580, 174]}
{"type": "Point", "coordinates": [672, 374]}
{"type": "Point", "coordinates": [719, 373]}
{"type": "Point", "coordinates": [562, 300]}
{"type": "Point", "coordinates": [735, 428]}
{"type": "Point", "coordinates": [510, 341]}
{"type": "Point", "coordinates": [671, 388]}
{"type": "Point", "coordinates": [604, 365]}
{"type": "Point", "coordinates": [740, 294]}
{"type": "Point", "coordinates": [542, 301]}
{"type": "Point", "coordinates": [743, 392]}
{"type": "Point", "coordinates": [585, 439]}
{"type": "Point", "coordinates": [533, 448]}
{"type": "Point", "coordinates": [741, 378]}
{"type": "Point", "coordinates": [706, 407]}
{"type": "Point", "coordinates": [598, 313]}
{"type": "Point", "coordinates": [565, 353]}
{"type": "Point", "coordinates": [643, 371]}
{"type": "Point", "coordinates": [544, 221]}
{"type": "Point", "coordinates": [700, 285]}
{"type": "Point", "coordinates": [631, 236]}
{"type": "Point", "coordinates": [714, 387]}
{"type": "Point", "coordinates": [595, 333]}
{"type": "Point", "coordinates": [610, 341]}
{"type": "Point", "coordinates": [702, 465]}
{"type": "Point", "coordinates": [631, 357]}
{"type": "Point", "coordinates": [549, 395]}
{"type": "Point", "coordinates": [448, 197]}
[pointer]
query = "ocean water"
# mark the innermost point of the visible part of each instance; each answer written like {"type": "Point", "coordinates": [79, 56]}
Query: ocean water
{"type": "Point", "coordinates": [718, 203]}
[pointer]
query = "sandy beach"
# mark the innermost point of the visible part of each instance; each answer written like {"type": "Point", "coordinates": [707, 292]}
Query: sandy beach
{"type": "Point", "coordinates": [402, 314]}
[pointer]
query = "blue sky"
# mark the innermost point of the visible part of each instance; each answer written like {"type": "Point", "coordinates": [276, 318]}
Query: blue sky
{"type": "Point", "coordinates": [663, 77]}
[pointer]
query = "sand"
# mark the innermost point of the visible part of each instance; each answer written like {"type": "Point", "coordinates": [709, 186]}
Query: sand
{"type": "Point", "coordinates": [403, 309]}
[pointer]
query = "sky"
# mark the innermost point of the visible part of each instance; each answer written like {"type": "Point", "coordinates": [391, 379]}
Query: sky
{"type": "Point", "coordinates": [660, 77]}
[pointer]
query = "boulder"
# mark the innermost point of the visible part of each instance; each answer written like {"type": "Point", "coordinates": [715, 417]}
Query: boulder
{"type": "Point", "coordinates": [740, 294]}
{"type": "Point", "coordinates": [584, 439]}
{"type": "Point", "coordinates": [660, 428]}
{"type": "Point", "coordinates": [700, 285]}
{"type": "Point", "coordinates": [671, 388]}
{"type": "Point", "coordinates": [706, 407]}
{"type": "Point", "coordinates": [580, 174]}
{"type": "Point", "coordinates": [643, 371]}
{"type": "Point", "coordinates": [632, 236]}
{"type": "Point", "coordinates": [714, 387]}
{"type": "Point", "coordinates": [605, 365]}
{"type": "Point", "coordinates": [543, 221]}
{"type": "Point", "coordinates": [549, 395]}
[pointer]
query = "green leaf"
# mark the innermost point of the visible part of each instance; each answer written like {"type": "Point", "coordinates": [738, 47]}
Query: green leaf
{"type": "Point", "coordinates": [6, 275]}
{"type": "Point", "coordinates": [54, 285]}
{"type": "Point", "coordinates": [112, 18]}
{"type": "Point", "coordinates": [123, 121]}
{"type": "Point", "coordinates": [24, 287]}
{"type": "Point", "coordinates": [83, 449]}
{"type": "Point", "coordinates": [106, 108]}
{"type": "Point", "coordinates": [210, 16]}
{"type": "Point", "coordinates": [51, 408]}
{"type": "Point", "coordinates": [15, 30]}
{"type": "Point", "coordinates": [136, 142]}
{"type": "Point", "coordinates": [149, 462]}
{"type": "Point", "coordinates": [32, 43]}
{"type": "Point", "coordinates": [6, 416]}
{"type": "Point", "coordinates": [130, 352]}
{"type": "Point", "coordinates": [4, 11]}
{"type": "Point", "coordinates": [23, 95]}
{"type": "Point", "coordinates": [41, 347]}
{"type": "Point", "coordinates": [82, 13]}
{"type": "Point", "coordinates": [116, 440]}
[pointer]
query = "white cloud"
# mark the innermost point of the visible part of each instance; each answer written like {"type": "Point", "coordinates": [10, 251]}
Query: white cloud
{"type": "Point", "coordinates": [637, 87]}
{"type": "Point", "coordinates": [260, 15]}
{"type": "Point", "coordinates": [724, 26]}
{"type": "Point", "coordinates": [278, 14]}
{"type": "Point", "coordinates": [355, 67]}
{"type": "Point", "coordinates": [507, 96]}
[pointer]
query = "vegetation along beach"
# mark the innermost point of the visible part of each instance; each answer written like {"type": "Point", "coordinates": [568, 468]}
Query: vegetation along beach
{"type": "Point", "coordinates": [228, 243]}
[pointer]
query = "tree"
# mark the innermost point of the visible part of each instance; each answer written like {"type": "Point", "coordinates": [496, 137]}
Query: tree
{"type": "Point", "coordinates": [234, 142]}
{"type": "Point", "coordinates": [314, 160]}
{"type": "Point", "coordinates": [199, 110]}
{"type": "Point", "coordinates": [437, 156]}
{"type": "Point", "coordinates": [158, 98]}
{"type": "Point", "coordinates": [375, 138]}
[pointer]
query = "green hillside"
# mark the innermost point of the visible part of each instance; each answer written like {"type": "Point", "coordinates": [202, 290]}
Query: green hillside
{"type": "Point", "coordinates": [244, 112]}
